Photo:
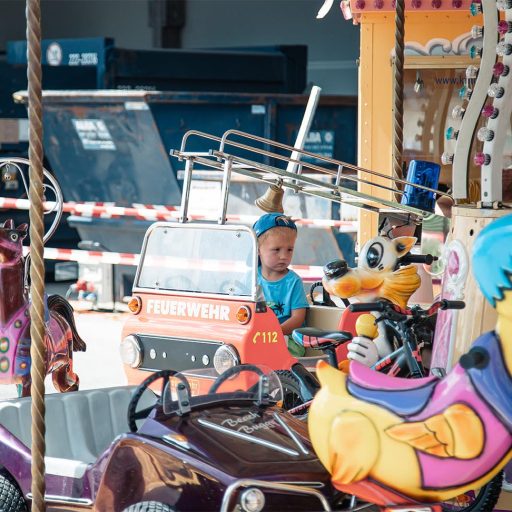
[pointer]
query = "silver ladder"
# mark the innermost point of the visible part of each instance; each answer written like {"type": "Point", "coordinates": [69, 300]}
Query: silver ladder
{"type": "Point", "coordinates": [238, 152]}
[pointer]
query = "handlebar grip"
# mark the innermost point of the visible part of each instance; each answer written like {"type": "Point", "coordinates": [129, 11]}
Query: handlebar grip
{"type": "Point", "coordinates": [452, 304]}
{"type": "Point", "coordinates": [366, 307]}
{"type": "Point", "coordinates": [427, 259]}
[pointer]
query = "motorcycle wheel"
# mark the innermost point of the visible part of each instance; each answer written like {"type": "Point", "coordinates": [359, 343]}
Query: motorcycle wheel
{"type": "Point", "coordinates": [481, 500]}
{"type": "Point", "coordinates": [291, 389]}
{"type": "Point", "coordinates": [149, 506]}
{"type": "Point", "coordinates": [11, 498]}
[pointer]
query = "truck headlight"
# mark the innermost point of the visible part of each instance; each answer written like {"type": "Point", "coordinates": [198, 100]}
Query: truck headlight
{"type": "Point", "coordinates": [131, 351]}
{"type": "Point", "coordinates": [225, 358]}
{"type": "Point", "coordinates": [252, 500]}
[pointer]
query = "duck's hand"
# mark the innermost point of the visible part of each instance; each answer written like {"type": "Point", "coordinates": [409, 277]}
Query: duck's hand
{"type": "Point", "coordinates": [456, 433]}
{"type": "Point", "coordinates": [354, 446]}
{"type": "Point", "coordinates": [364, 350]}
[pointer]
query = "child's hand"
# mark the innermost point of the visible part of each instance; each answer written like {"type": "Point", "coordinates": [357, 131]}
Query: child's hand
{"type": "Point", "coordinates": [364, 350]}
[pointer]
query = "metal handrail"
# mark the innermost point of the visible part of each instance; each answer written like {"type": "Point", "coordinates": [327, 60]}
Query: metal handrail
{"type": "Point", "coordinates": [229, 163]}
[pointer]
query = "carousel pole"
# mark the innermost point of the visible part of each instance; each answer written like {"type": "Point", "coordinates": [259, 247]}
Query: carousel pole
{"type": "Point", "coordinates": [37, 347]}
{"type": "Point", "coordinates": [398, 88]}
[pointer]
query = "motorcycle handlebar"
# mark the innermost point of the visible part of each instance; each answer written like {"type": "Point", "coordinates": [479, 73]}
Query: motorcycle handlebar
{"type": "Point", "coordinates": [369, 306]}
{"type": "Point", "coordinates": [382, 307]}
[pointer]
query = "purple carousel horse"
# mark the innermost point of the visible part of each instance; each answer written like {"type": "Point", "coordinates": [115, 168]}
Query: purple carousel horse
{"type": "Point", "coordinates": [61, 337]}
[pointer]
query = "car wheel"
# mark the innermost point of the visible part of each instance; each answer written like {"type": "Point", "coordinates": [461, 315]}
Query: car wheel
{"type": "Point", "coordinates": [291, 389]}
{"type": "Point", "coordinates": [150, 506]}
{"type": "Point", "coordinates": [11, 498]}
{"type": "Point", "coordinates": [481, 500]}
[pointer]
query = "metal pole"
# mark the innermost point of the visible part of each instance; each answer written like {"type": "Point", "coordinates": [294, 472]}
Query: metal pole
{"type": "Point", "coordinates": [35, 154]}
{"type": "Point", "coordinates": [398, 88]}
{"type": "Point", "coordinates": [304, 128]}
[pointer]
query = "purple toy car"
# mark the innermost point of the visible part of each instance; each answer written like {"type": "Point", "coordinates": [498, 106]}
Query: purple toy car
{"type": "Point", "coordinates": [231, 449]}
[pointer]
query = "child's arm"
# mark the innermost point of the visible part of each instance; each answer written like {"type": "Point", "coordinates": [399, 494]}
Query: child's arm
{"type": "Point", "coordinates": [295, 321]}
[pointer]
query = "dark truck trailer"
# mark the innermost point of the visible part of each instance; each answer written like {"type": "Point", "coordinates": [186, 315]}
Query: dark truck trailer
{"type": "Point", "coordinates": [96, 63]}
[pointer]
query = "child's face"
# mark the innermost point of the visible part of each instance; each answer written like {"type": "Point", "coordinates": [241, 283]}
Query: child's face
{"type": "Point", "coordinates": [276, 249]}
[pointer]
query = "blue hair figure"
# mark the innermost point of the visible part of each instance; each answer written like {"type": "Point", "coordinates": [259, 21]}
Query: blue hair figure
{"type": "Point", "coordinates": [492, 259]}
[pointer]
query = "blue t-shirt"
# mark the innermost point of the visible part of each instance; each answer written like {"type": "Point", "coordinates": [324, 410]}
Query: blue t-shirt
{"type": "Point", "coordinates": [285, 295]}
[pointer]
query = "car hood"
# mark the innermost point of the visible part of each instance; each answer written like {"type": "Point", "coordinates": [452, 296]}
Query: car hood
{"type": "Point", "coordinates": [248, 442]}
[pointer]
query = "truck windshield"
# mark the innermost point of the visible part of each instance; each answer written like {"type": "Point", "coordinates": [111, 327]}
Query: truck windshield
{"type": "Point", "coordinates": [199, 259]}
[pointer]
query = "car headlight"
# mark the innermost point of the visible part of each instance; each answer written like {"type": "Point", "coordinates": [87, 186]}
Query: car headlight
{"type": "Point", "coordinates": [131, 351]}
{"type": "Point", "coordinates": [225, 358]}
{"type": "Point", "coordinates": [252, 500]}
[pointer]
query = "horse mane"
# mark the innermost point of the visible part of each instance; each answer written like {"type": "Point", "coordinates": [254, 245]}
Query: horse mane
{"type": "Point", "coordinates": [400, 285]}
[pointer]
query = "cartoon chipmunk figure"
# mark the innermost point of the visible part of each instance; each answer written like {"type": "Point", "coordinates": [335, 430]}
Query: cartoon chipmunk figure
{"type": "Point", "coordinates": [398, 441]}
{"type": "Point", "coordinates": [378, 274]}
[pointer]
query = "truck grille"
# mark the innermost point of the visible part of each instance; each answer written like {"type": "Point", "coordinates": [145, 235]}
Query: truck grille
{"type": "Point", "coordinates": [167, 353]}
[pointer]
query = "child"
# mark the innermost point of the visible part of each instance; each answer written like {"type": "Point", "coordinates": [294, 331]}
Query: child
{"type": "Point", "coordinates": [282, 287]}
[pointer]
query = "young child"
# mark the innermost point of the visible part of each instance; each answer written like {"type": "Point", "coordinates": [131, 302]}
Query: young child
{"type": "Point", "coordinates": [282, 287]}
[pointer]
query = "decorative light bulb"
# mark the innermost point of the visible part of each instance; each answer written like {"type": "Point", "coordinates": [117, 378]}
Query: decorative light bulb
{"type": "Point", "coordinates": [458, 112]}
{"type": "Point", "coordinates": [503, 5]}
{"type": "Point", "coordinates": [490, 112]}
{"type": "Point", "coordinates": [475, 9]}
{"type": "Point", "coordinates": [482, 159]}
{"type": "Point", "coordinates": [500, 69]}
{"type": "Point", "coordinates": [495, 91]}
{"type": "Point", "coordinates": [416, 4]}
{"type": "Point", "coordinates": [451, 133]}
{"type": "Point", "coordinates": [447, 158]}
{"type": "Point", "coordinates": [456, 4]}
{"type": "Point", "coordinates": [503, 48]}
{"type": "Point", "coordinates": [475, 51]}
{"type": "Point", "coordinates": [504, 27]}
{"type": "Point", "coordinates": [465, 92]}
{"type": "Point", "coordinates": [436, 4]}
{"type": "Point", "coordinates": [471, 71]}
{"type": "Point", "coordinates": [477, 31]}
{"type": "Point", "coordinates": [378, 4]}
{"type": "Point", "coordinates": [485, 134]}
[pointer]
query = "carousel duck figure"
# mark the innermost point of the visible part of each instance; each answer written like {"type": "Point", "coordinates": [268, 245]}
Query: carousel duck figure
{"type": "Point", "coordinates": [381, 273]}
{"type": "Point", "coordinates": [405, 442]}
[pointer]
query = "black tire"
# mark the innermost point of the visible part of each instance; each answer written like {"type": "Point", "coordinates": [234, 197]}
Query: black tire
{"type": "Point", "coordinates": [484, 501]}
{"type": "Point", "coordinates": [11, 498]}
{"type": "Point", "coordinates": [150, 506]}
{"type": "Point", "coordinates": [292, 396]}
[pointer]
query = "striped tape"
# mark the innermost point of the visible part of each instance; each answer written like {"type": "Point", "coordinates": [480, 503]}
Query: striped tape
{"type": "Point", "coordinates": [159, 212]}
{"type": "Point", "coordinates": [306, 272]}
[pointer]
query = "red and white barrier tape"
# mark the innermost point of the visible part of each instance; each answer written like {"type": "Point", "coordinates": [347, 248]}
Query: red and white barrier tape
{"type": "Point", "coordinates": [306, 272]}
{"type": "Point", "coordinates": [159, 212]}
{"type": "Point", "coordinates": [91, 257]}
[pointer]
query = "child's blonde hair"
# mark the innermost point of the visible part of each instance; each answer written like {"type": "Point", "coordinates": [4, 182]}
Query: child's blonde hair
{"type": "Point", "coordinates": [279, 231]}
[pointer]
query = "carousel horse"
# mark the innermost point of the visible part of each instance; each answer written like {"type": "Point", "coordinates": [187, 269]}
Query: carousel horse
{"type": "Point", "coordinates": [378, 275]}
{"type": "Point", "coordinates": [401, 442]}
{"type": "Point", "coordinates": [61, 337]}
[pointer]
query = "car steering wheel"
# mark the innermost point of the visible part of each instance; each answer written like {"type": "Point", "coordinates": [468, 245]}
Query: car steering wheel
{"type": "Point", "coordinates": [235, 370]}
{"type": "Point", "coordinates": [133, 415]}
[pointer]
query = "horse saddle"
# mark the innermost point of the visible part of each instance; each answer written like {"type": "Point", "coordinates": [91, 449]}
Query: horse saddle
{"type": "Point", "coordinates": [402, 396]}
